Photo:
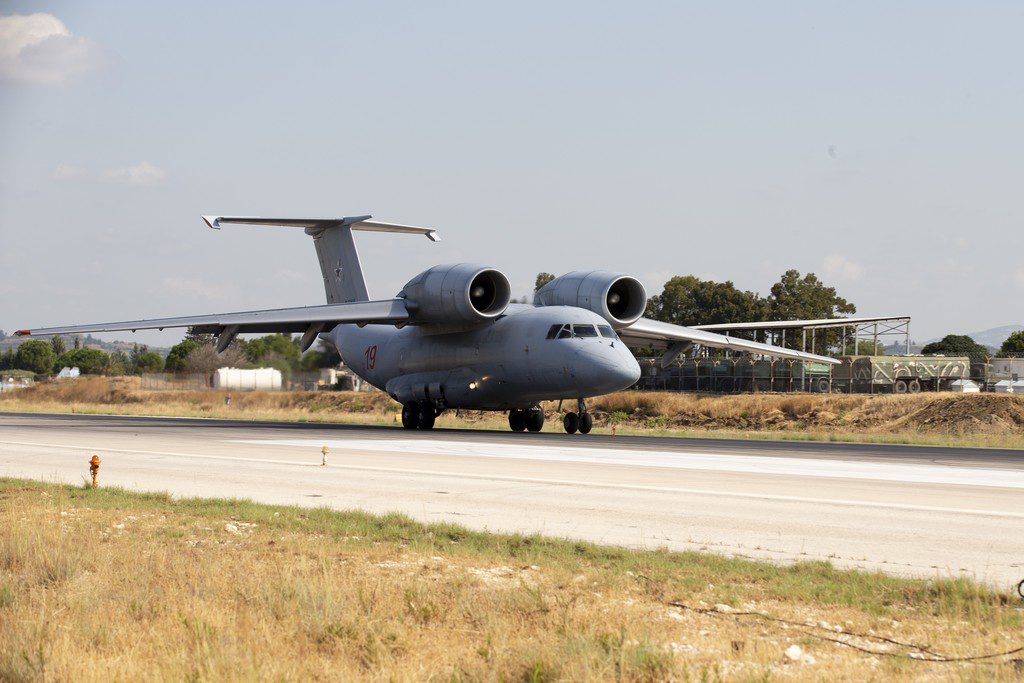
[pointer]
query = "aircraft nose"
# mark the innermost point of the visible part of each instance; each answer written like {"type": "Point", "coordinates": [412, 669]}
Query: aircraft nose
{"type": "Point", "coordinates": [628, 370]}
{"type": "Point", "coordinates": [611, 369]}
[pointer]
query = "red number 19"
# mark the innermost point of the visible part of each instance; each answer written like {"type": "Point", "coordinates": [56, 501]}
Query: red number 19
{"type": "Point", "coordinates": [371, 356]}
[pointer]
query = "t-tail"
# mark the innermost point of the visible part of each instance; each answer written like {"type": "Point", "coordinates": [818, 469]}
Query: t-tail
{"type": "Point", "coordinates": [335, 248]}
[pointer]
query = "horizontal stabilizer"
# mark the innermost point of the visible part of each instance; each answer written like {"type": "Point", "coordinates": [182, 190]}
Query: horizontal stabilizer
{"type": "Point", "coordinates": [354, 222]}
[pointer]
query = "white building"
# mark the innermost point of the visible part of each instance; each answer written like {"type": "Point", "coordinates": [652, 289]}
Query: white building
{"type": "Point", "coordinates": [266, 379]}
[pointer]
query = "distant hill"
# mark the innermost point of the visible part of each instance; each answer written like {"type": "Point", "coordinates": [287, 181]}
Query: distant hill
{"type": "Point", "coordinates": [992, 337]}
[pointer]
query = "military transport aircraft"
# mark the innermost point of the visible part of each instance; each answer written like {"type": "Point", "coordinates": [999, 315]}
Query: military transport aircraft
{"type": "Point", "coordinates": [451, 338]}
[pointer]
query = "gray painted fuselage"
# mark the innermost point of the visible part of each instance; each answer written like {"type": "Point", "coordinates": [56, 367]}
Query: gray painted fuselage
{"type": "Point", "coordinates": [502, 364]}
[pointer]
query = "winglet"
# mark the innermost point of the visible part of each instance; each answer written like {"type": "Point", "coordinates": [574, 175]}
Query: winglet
{"type": "Point", "coordinates": [22, 333]}
{"type": "Point", "coordinates": [212, 221]}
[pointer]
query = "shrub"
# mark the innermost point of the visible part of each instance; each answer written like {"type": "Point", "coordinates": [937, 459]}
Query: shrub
{"type": "Point", "coordinates": [36, 356]}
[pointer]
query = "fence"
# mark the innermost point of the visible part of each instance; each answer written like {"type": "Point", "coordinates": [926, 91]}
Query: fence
{"type": "Point", "coordinates": [854, 374]}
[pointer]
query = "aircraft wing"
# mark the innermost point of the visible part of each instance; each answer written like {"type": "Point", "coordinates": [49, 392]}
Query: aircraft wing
{"type": "Point", "coordinates": [676, 338]}
{"type": "Point", "coordinates": [310, 320]}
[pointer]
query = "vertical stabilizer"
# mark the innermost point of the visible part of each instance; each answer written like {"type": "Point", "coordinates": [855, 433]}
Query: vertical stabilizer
{"type": "Point", "coordinates": [339, 264]}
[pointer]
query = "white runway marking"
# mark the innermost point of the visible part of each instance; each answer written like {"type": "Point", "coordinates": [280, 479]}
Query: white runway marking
{"type": "Point", "coordinates": [807, 467]}
{"type": "Point", "coordinates": [843, 502]}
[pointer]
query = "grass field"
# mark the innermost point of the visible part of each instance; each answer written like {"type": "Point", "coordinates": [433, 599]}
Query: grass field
{"type": "Point", "coordinates": [979, 420]}
{"type": "Point", "coordinates": [109, 585]}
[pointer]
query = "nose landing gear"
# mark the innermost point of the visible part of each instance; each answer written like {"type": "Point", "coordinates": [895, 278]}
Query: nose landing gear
{"type": "Point", "coordinates": [582, 422]}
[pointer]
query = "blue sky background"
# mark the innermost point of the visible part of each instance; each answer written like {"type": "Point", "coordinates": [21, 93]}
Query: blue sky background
{"type": "Point", "coordinates": [879, 146]}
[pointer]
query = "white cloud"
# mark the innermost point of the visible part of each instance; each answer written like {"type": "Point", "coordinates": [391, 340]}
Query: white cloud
{"type": "Point", "coordinates": [39, 48]}
{"type": "Point", "coordinates": [142, 173]}
{"type": "Point", "coordinates": [839, 267]}
{"type": "Point", "coordinates": [66, 171]}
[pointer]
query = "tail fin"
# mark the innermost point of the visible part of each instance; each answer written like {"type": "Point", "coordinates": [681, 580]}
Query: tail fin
{"type": "Point", "coordinates": [335, 248]}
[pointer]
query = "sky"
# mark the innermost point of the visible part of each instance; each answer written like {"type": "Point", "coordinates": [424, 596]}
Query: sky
{"type": "Point", "coordinates": [879, 145]}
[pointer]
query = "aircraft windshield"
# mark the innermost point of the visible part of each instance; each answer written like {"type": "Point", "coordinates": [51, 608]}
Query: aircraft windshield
{"type": "Point", "coordinates": [568, 331]}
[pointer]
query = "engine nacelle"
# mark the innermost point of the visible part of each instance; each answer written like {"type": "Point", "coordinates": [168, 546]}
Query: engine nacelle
{"type": "Point", "coordinates": [618, 298]}
{"type": "Point", "coordinates": [457, 293]}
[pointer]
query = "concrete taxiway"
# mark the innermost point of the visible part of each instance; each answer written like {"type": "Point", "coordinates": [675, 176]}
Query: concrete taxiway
{"type": "Point", "coordinates": [915, 511]}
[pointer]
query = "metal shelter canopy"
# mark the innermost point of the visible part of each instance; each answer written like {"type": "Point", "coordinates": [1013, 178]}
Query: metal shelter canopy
{"type": "Point", "coordinates": [858, 328]}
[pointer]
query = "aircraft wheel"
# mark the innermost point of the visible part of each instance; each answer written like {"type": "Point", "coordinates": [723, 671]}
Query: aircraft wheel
{"type": "Point", "coordinates": [426, 416]}
{"type": "Point", "coordinates": [535, 419]}
{"type": "Point", "coordinates": [571, 422]}
{"type": "Point", "coordinates": [899, 387]}
{"type": "Point", "coordinates": [411, 415]}
{"type": "Point", "coordinates": [914, 386]}
{"type": "Point", "coordinates": [517, 419]}
{"type": "Point", "coordinates": [586, 423]}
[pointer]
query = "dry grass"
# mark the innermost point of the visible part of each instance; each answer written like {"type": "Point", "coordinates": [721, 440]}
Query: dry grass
{"type": "Point", "coordinates": [994, 420]}
{"type": "Point", "coordinates": [109, 585]}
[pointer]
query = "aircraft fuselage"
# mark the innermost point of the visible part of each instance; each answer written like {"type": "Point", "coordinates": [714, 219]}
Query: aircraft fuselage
{"type": "Point", "coordinates": [515, 361]}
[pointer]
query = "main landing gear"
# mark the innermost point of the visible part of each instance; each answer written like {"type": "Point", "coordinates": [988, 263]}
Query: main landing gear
{"type": "Point", "coordinates": [419, 414]}
{"type": "Point", "coordinates": [582, 422]}
{"type": "Point", "coordinates": [531, 419]}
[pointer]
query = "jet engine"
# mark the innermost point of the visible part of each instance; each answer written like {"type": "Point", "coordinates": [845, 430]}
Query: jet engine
{"type": "Point", "coordinates": [457, 293]}
{"type": "Point", "coordinates": [618, 298]}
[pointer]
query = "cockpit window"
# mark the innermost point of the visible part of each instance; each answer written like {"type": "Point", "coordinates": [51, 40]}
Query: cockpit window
{"type": "Point", "coordinates": [568, 331]}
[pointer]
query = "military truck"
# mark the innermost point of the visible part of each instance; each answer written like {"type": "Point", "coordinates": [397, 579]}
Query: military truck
{"type": "Point", "coordinates": [898, 374]}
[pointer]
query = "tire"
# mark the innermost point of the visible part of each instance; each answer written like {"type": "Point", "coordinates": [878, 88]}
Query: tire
{"type": "Point", "coordinates": [411, 415]}
{"type": "Point", "coordinates": [914, 386]}
{"type": "Point", "coordinates": [571, 422]}
{"type": "Point", "coordinates": [586, 423]}
{"type": "Point", "coordinates": [823, 386]}
{"type": "Point", "coordinates": [899, 387]}
{"type": "Point", "coordinates": [517, 420]}
{"type": "Point", "coordinates": [535, 419]}
{"type": "Point", "coordinates": [426, 416]}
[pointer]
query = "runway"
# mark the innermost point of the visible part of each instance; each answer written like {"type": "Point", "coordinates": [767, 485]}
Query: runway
{"type": "Point", "coordinates": [917, 511]}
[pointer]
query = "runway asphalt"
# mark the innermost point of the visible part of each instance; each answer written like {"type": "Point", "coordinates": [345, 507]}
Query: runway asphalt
{"type": "Point", "coordinates": [918, 511]}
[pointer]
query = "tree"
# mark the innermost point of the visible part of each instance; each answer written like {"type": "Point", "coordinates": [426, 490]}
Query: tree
{"type": "Point", "coordinates": [118, 364]}
{"type": "Point", "coordinates": [7, 360]}
{"type": "Point", "coordinates": [204, 358]}
{"type": "Point", "coordinates": [542, 279]}
{"type": "Point", "coordinates": [198, 337]}
{"type": "Point", "coordinates": [148, 361]}
{"type": "Point", "coordinates": [323, 356]}
{"type": "Point", "coordinates": [688, 300]}
{"type": "Point", "coordinates": [177, 358]}
{"type": "Point", "coordinates": [273, 347]}
{"type": "Point", "coordinates": [957, 345]}
{"type": "Point", "coordinates": [807, 298]}
{"type": "Point", "coordinates": [57, 343]}
{"type": "Point", "coordinates": [36, 356]}
{"type": "Point", "coordinates": [88, 361]}
{"type": "Point", "coordinates": [1014, 345]}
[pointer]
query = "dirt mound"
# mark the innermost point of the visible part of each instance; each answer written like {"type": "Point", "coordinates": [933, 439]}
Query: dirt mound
{"type": "Point", "coordinates": [927, 413]}
{"type": "Point", "coordinates": [967, 414]}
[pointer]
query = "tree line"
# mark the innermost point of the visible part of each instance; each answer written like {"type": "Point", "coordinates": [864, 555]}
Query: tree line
{"type": "Point", "coordinates": [195, 353]}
